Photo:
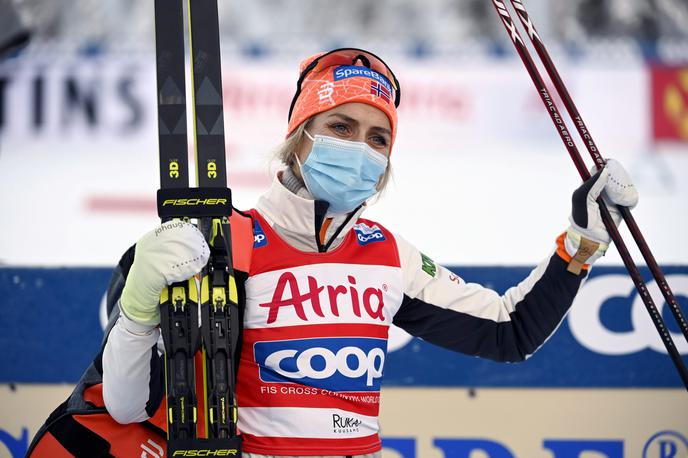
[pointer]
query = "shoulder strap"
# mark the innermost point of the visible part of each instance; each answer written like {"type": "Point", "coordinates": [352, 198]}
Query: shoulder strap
{"type": "Point", "coordinates": [242, 240]}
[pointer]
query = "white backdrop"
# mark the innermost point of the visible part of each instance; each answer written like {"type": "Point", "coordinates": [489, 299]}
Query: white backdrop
{"type": "Point", "coordinates": [481, 176]}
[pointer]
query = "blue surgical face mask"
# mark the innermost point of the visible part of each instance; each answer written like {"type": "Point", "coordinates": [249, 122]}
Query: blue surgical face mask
{"type": "Point", "coordinates": [342, 172]}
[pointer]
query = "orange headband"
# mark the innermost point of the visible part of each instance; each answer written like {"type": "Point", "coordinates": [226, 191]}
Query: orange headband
{"type": "Point", "coordinates": [339, 83]}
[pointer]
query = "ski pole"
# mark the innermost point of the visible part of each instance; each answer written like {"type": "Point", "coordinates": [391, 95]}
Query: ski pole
{"type": "Point", "coordinates": [565, 135]}
{"type": "Point", "coordinates": [584, 132]}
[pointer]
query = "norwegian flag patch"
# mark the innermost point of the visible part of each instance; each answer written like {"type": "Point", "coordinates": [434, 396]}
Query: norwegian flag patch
{"type": "Point", "coordinates": [380, 91]}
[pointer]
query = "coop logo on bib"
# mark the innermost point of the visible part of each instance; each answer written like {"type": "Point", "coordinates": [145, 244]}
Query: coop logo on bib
{"type": "Point", "coordinates": [366, 234]}
{"type": "Point", "coordinates": [259, 238]}
{"type": "Point", "coordinates": [352, 364]}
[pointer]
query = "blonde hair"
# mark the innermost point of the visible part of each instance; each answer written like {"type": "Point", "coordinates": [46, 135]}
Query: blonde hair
{"type": "Point", "coordinates": [286, 153]}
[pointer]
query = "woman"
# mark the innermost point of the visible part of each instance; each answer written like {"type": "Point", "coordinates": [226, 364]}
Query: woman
{"type": "Point", "coordinates": [324, 285]}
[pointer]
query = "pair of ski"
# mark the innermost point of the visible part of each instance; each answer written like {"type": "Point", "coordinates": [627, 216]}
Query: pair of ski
{"type": "Point", "coordinates": [214, 291]}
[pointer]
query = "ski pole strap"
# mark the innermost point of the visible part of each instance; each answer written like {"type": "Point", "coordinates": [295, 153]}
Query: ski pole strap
{"type": "Point", "coordinates": [586, 249]}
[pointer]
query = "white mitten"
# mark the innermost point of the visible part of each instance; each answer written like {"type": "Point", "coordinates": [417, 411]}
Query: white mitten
{"type": "Point", "coordinates": [587, 238]}
{"type": "Point", "coordinates": [173, 252]}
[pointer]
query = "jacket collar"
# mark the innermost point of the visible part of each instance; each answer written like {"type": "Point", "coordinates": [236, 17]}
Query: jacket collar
{"type": "Point", "coordinates": [293, 218]}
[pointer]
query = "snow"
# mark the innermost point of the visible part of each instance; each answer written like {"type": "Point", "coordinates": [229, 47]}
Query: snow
{"type": "Point", "coordinates": [480, 177]}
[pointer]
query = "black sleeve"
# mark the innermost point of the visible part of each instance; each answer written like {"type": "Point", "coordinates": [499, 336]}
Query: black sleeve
{"type": "Point", "coordinates": [533, 319]}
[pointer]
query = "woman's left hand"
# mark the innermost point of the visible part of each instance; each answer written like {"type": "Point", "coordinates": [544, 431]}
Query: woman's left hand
{"type": "Point", "coordinates": [587, 236]}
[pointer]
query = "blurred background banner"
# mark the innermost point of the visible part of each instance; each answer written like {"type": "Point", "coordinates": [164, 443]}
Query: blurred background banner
{"type": "Point", "coordinates": [475, 146]}
{"type": "Point", "coordinates": [605, 341]}
{"type": "Point", "coordinates": [578, 393]}
{"type": "Point", "coordinates": [670, 103]}
{"type": "Point", "coordinates": [481, 184]}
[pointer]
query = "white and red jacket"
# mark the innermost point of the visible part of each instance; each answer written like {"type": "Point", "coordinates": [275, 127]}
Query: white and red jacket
{"type": "Point", "coordinates": [316, 322]}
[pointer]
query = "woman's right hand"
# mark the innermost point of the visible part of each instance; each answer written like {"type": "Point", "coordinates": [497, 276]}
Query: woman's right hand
{"type": "Point", "coordinates": [173, 252]}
